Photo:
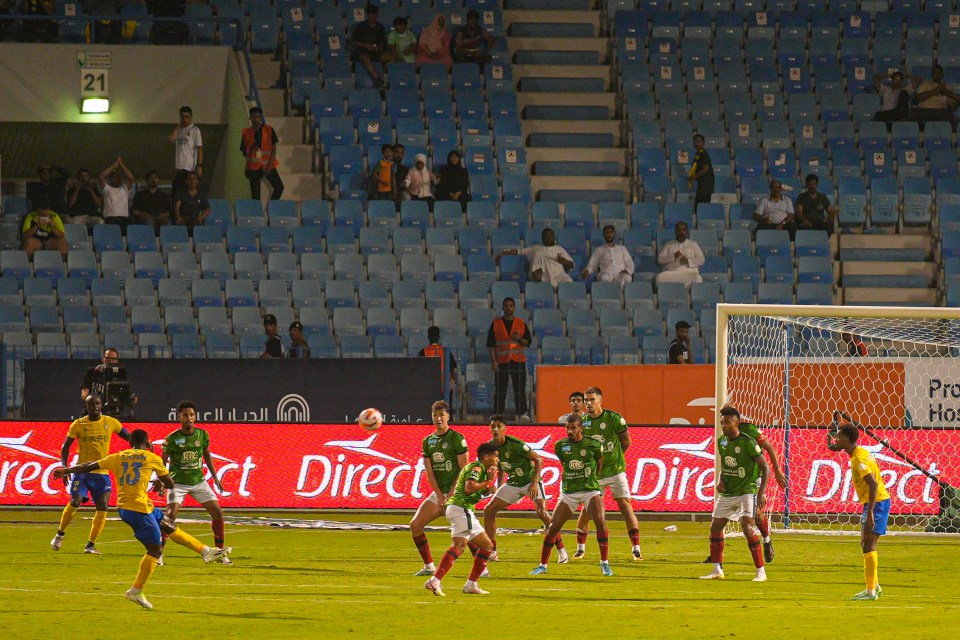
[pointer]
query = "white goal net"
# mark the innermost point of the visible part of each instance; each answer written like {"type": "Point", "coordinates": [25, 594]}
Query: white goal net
{"type": "Point", "coordinates": [799, 371]}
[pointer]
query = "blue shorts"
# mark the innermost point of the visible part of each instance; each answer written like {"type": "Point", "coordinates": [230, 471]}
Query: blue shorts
{"type": "Point", "coordinates": [881, 514]}
{"type": "Point", "coordinates": [94, 484]}
{"type": "Point", "coordinates": [146, 526]}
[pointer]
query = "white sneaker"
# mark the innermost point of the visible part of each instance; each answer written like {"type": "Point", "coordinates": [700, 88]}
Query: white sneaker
{"type": "Point", "coordinates": [92, 550]}
{"type": "Point", "coordinates": [160, 561]}
{"type": "Point", "coordinates": [486, 573]}
{"type": "Point", "coordinates": [713, 575]}
{"type": "Point", "coordinates": [226, 560]}
{"type": "Point", "coordinates": [138, 598]}
{"type": "Point", "coordinates": [494, 557]}
{"type": "Point", "coordinates": [56, 542]}
{"type": "Point", "coordinates": [433, 585]}
{"type": "Point", "coordinates": [474, 588]}
{"type": "Point", "coordinates": [761, 575]}
{"type": "Point", "coordinates": [213, 553]}
{"type": "Point", "coordinates": [563, 557]}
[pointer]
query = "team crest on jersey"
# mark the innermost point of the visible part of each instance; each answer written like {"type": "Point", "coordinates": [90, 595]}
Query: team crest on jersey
{"type": "Point", "coordinates": [443, 446]}
{"type": "Point", "coordinates": [583, 452]}
{"type": "Point", "coordinates": [197, 443]}
{"type": "Point", "coordinates": [506, 466]}
{"type": "Point", "coordinates": [448, 466]}
{"type": "Point", "coordinates": [741, 472]}
{"type": "Point", "coordinates": [736, 449]}
{"type": "Point", "coordinates": [519, 473]}
{"type": "Point", "coordinates": [603, 425]}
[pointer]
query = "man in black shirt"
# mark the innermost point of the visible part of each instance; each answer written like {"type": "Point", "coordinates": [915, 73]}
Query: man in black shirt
{"type": "Point", "coordinates": [95, 380]}
{"type": "Point", "coordinates": [274, 346]}
{"type": "Point", "coordinates": [49, 188]}
{"type": "Point", "coordinates": [299, 348]}
{"type": "Point", "coordinates": [814, 210]}
{"type": "Point", "coordinates": [368, 43]}
{"type": "Point", "coordinates": [84, 200]}
{"type": "Point", "coordinates": [701, 171]}
{"type": "Point", "coordinates": [680, 347]}
{"type": "Point", "coordinates": [151, 205]}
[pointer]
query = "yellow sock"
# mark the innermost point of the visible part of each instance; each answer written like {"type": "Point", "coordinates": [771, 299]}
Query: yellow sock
{"type": "Point", "coordinates": [182, 537]}
{"type": "Point", "coordinates": [870, 570]}
{"type": "Point", "coordinates": [66, 516]}
{"type": "Point", "coordinates": [147, 564]}
{"type": "Point", "coordinates": [99, 522]}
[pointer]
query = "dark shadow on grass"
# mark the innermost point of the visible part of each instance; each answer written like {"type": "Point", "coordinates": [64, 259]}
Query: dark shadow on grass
{"type": "Point", "coordinates": [257, 616]}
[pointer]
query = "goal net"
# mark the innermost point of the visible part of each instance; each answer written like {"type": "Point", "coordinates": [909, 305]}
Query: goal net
{"type": "Point", "coordinates": [800, 371]}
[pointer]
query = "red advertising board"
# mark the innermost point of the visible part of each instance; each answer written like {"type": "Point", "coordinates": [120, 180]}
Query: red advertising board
{"type": "Point", "coordinates": [670, 468]}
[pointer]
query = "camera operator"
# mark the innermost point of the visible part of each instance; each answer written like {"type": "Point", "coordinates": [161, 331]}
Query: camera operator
{"type": "Point", "coordinates": [109, 381]}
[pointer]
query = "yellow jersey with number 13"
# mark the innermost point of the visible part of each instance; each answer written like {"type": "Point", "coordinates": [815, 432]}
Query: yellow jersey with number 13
{"type": "Point", "coordinates": [862, 465]}
{"type": "Point", "coordinates": [132, 470]}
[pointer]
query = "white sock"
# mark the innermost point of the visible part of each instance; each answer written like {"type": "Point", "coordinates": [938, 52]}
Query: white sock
{"type": "Point", "coordinates": [205, 550]}
{"type": "Point", "coordinates": [543, 566]}
{"type": "Point", "coordinates": [135, 591]}
{"type": "Point", "coordinates": [470, 583]}
{"type": "Point", "coordinates": [636, 547]}
{"type": "Point", "coordinates": [717, 568]}
{"type": "Point", "coordinates": [604, 562]}
{"type": "Point", "coordinates": [761, 571]}
{"type": "Point", "coordinates": [430, 566]}
{"type": "Point", "coordinates": [767, 539]}
{"type": "Point", "coordinates": [581, 547]}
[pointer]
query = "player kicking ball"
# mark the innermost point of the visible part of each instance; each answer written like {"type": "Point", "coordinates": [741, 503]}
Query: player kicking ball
{"type": "Point", "coordinates": [132, 470]}
{"type": "Point", "coordinates": [742, 467]}
{"type": "Point", "coordinates": [876, 505]}
{"type": "Point", "coordinates": [521, 468]}
{"type": "Point", "coordinates": [475, 481]}
{"type": "Point", "coordinates": [581, 459]}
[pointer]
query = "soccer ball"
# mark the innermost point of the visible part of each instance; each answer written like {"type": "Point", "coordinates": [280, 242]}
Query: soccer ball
{"type": "Point", "coordinates": [370, 419]}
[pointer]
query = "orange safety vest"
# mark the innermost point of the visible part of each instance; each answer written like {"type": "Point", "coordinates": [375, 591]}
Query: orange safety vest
{"type": "Point", "coordinates": [255, 159]}
{"type": "Point", "coordinates": [436, 351]}
{"type": "Point", "coordinates": [506, 349]}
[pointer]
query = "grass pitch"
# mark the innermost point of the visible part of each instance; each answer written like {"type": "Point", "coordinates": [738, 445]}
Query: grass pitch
{"type": "Point", "coordinates": [294, 583]}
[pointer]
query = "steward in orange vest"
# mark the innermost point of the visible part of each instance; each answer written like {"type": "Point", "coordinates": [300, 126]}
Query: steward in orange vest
{"type": "Point", "coordinates": [258, 144]}
{"type": "Point", "coordinates": [447, 361]}
{"type": "Point", "coordinates": [507, 339]}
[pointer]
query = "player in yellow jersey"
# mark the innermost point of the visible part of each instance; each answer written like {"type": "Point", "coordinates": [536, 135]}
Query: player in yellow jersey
{"type": "Point", "coordinates": [92, 433]}
{"type": "Point", "coordinates": [132, 469]}
{"type": "Point", "coordinates": [876, 505]}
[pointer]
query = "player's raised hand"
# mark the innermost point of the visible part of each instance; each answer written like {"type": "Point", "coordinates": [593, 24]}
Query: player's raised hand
{"type": "Point", "coordinates": [492, 474]}
{"type": "Point", "coordinates": [781, 479]}
{"type": "Point", "coordinates": [157, 487]}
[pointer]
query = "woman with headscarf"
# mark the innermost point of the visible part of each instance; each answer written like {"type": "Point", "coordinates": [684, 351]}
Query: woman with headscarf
{"type": "Point", "coordinates": [434, 44]}
{"type": "Point", "coordinates": [454, 181]}
{"type": "Point", "coordinates": [419, 182]}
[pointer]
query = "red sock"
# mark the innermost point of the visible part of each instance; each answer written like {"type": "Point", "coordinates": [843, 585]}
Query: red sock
{"type": "Point", "coordinates": [474, 549]}
{"type": "Point", "coordinates": [446, 563]}
{"type": "Point", "coordinates": [423, 547]}
{"type": "Point", "coordinates": [581, 536]}
{"type": "Point", "coordinates": [634, 536]}
{"type": "Point", "coordinates": [755, 551]}
{"type": "Point", "coordinates": [479, 564]}
{"type": "Point", "coordinates": [763, 523]}
{"type": "Point", "coordinates": [217, 525]}
{"type": "Point", "coordinates": [163, 539]}
{"type": "Point", "coordinates": [559, 542]}
{"type": "Point", "coordinates": [494, 545]}
{"type": "Point", "coordinates": [716, 549]}
{"type": "Point", "coordinates": [604, 543]}
{"type": "Point", "coordinates": [547, 549]}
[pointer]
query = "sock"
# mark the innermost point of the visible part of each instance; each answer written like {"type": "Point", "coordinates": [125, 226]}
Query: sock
{"type": "Point", "coordinates": [494, 546]}
{"type": "Point", "coordinates": [182, 537]}
{"type": "Point", "coordinates": [423, 547]}
{"type": "Point", "coordinates": [634, 537]}
{"type": "Point", "coordinates": [99, 522]}
{"type": "Point", "coordinates": [559, 541]}
{"type": "Point", "coordinates": [163, 539]}
{"type": "Point", "coordinates": [474, 549]}
{"type": "Point", "coordinates": [66, 517]}
{"type": "Point", "coordinates": [716, 549]}
{"type": "Point", "coordinates": [754, 543]}
{"type": "Point", "coordinates": [604, 543]}
{"type": "Point", "coordinates": [870, 570]}
{"type": "Point", "coordinates": [547, 549]}
{"type": "Point", "coordinates": [147, 564]}
{"type": "Point", "coordinates": [479, 564]}
{"type": "Point", "coordinates": [217, 526]}
{"type": "Point", "coordinates": [581, 539]}
{"type": "Point", "coordinates": [764, 525]}
{"type": "Point", "coordinates": [446, 563]}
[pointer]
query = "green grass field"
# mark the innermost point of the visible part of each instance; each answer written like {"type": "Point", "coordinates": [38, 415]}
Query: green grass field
{"type": "Point", "coordinates": [293, 583]}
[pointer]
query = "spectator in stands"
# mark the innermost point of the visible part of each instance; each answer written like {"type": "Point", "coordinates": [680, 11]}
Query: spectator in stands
{"type": "Point", "coordinates": [50, 187]}
{"type": "Point", "coordinates": [189, 154]}
{"type": "Point", "coordinates": [190, 206]}
{"type": "Point", "coordinates": [548, 262]}
{"type": "Point", "coordinates": [104, 31]}
{"type": "Point", "coordinates": [298, 344]}
{"type": "Point", "coordinates": [681, 258]}
{"type": "Point", "coordinates": [274, 345]}
{"type": "Point", "coordinates": [401, 43]}
{"type": "Point", "coordinates": [775, 211]}
{"type": "Point", "coordinates": [39, 30]}
{"type": "Point", "coordinates": [473, 42]}
{"type": "Point", "coordinates": [258, 144]}
{"type": "Point", "coordinates": [701, 172]}
{"type": "Point", "coordinates": [434, 43]}
{"type": "Point", "coordinates": [400, 169]}
{"type": "Point", "coordinates": [168, 31]}
{"type": "Point", "coordinates": [384, 176]}
{"type": "Point", "coordinates": [576, 407]}
{"type": "Point", "coordinates": [447, 360]}
{"type": "Point", "coordinates": [610, 261]}
{"type": "Point", "coordinates": [368, 43]}
{"type": "Point", "coordinates": [679, 352]}
{"type": "Point", "coordinates": [507, 338]}
{"type": "Point", "coordinates": [419, 181]}
{"type": "Point", "coordinates": [152, 205]}
{"type": "Point", "coordinates": [116, 194]}
{"type": "Point", "coordinates": [84, 201]}
{"type": "Point", "coordinates": [854, 345]}
{"type": "Point", "coordinates": [43, 229]}
{"type": "Point", "coordinates": [813, 209]}
{"type": "Point", "coordinates": [935, 101]}
{"type": "Point", "coordinates": [453, 181]}
{"type": "Point", "coordinates": [895, 96]}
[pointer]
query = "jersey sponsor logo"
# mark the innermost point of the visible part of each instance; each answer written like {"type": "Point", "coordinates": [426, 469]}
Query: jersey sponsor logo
{"type": "Point", "coordinates": [180, 442]}
{"type": "Point", "coordinates": [506, 466]}
{"type": "Point", "coordinates": [438, 456]}
{"type": "Point", "coordinates": [519, 473]}
{"type": "Point", "coordinates": [741, 472]}
{"type": "Point", "coordinates": [575, 465]}
{"type": "Point", "coordinates": [730, 461]}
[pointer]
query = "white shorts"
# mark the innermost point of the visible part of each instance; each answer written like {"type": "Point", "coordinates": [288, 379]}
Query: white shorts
{"type": "Point", "coordinates": [575, 499]}
{"type": "Point", "coordinates": [618, 484]}
{"type": "Point", "coordinates": [463, 522]}
{"type": "Point", "coordinates": [200, 492]}
{"type": "Point", "coordinates": [736, 507]}
{"type": "Point", "coordinates": [513, 495]}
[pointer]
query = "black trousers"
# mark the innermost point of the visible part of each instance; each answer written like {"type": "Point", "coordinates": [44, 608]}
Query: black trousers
{"type": "Point", "coordinates": [517, 372]}
{"type": "Point", "coordinates": [898, 113]}
{"type": "Point", "coordinates": [273, 178]}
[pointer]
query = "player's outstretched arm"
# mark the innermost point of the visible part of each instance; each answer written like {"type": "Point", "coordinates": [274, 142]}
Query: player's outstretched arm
{"type": "Point", "coordinates": [86, 467]}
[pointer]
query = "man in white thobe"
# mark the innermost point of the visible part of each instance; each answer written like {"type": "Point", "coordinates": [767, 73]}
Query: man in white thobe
{"type": "Point", "coordinates": [612, 262]}
{"type": "Point", "coordinates": [548, 262]}
{"type": "Point", "coordinates": [681, 259]}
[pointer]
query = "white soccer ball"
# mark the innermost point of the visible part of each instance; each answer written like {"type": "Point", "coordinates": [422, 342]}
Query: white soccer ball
{"type": "Point", "coordinates": [370, 419]}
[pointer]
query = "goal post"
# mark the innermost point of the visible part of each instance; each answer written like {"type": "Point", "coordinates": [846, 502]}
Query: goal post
{"type": "Point", "coordinates": [799, 372]}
